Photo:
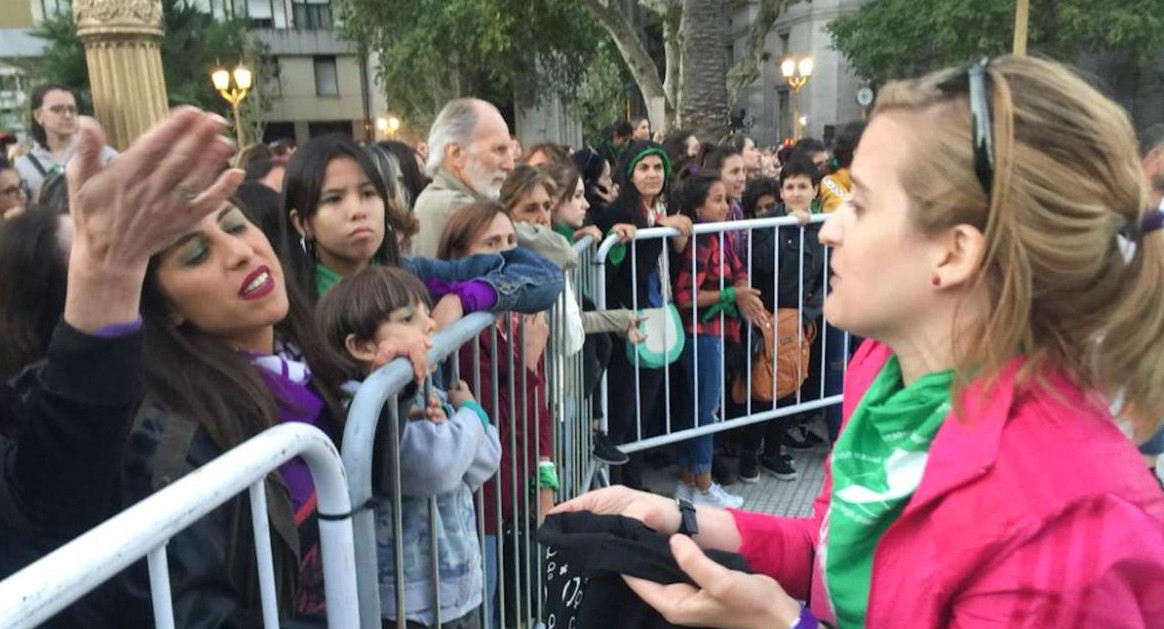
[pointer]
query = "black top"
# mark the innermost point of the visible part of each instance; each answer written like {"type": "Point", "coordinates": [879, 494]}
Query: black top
{"type": "Point", "coordinates": [585, 555]}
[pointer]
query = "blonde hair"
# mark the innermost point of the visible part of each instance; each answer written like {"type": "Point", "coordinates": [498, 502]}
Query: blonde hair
{"type": "Point", "coordinates": [1067, 182]}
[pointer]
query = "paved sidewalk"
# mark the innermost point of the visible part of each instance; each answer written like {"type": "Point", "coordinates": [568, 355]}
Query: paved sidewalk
{"type": "Point", "coordinates": [769, 495]}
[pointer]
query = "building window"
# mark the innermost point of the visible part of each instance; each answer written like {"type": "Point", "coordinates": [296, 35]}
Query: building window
{"type": "Point", "coordinates": [316, 15]}
{"type": "Point", "coordinates": [784, 44]}
{"type": "Point", "coordinates": [50, 9]}
{"type": "Point", "coordinates": [316, 129]}
{"type": "Point", "coordinates": [326, 77]}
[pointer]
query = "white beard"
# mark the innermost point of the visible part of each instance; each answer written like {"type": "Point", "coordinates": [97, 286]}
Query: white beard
{"type": "Point", "coordinates": [484, 182]}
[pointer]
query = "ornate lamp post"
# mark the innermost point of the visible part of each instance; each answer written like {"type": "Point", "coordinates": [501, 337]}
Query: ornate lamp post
{"type": "Point", "coordinates": [233, 86]}
{"type": "Point", "coordinates": [796, 73]}
{"type": "Point", "coordinates": [388, 126]}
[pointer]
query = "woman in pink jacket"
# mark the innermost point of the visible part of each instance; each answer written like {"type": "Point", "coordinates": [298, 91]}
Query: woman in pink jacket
{"type": "Point", "coordinates": [980, 480]}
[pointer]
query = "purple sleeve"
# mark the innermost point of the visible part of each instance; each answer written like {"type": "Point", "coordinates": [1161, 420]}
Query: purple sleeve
{"type": "Point", "coordinates": [475, 295]}
{"type": "Point", "coordinates": [119, 329]}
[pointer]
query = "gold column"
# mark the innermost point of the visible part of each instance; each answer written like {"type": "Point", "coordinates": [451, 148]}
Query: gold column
{"type": "Point", "coordinates": [121, 39]}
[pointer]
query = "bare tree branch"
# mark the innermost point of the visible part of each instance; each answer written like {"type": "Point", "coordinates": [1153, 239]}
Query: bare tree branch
{"type": "Point", "coordinates": [633, 52]}
{"type": "Point", "coordinates": [747, 69]}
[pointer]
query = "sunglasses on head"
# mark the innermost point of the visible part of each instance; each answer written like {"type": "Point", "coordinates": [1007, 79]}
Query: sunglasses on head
{"type": "Point", "coordinates": [973, 81]}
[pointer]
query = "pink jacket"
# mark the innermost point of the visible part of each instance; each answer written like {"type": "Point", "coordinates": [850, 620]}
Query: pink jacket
{"type": "Point", "coordinates": [1037, 512]}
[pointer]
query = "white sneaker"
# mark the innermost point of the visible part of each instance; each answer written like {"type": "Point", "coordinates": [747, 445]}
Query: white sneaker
{"type": "Point", "coordinates": [717, 497]}
{"type": "Point", "coordinates": [685, 491]}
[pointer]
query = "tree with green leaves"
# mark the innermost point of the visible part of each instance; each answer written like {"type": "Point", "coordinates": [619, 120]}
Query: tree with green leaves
{"type": "Point", "coordinates": [432, 51]}
{"type": "Point", "coordinates": [906, 38]}
{"type": "Point", "coordinates": [194, 43]}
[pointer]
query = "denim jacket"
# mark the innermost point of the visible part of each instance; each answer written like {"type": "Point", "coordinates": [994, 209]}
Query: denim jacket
{"type": "Point", "coordinates": [445, 462]}
{"type": "Point", "coordinates": [524, 281]}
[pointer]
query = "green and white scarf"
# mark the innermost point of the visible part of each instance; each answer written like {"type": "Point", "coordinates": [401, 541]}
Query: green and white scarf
{"type": "Point", "coordinates": [877, 465]}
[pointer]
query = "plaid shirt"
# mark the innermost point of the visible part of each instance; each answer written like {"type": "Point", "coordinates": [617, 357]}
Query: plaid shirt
{"type": "Point", "coordinates": [709, 269]}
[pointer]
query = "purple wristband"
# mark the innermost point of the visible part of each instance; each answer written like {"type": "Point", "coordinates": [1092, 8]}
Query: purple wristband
{"type": "Point", "coordinates": [806, 620]}
{"type": "Point", "coordinates": [119, 329]}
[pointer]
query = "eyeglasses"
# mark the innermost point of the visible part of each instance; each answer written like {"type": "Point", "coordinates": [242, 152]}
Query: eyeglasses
{"type": "Point", "coordinates": [983, 126]}
{"type": "Point", "coordinates": [12, 191]}
{"type": "Point", "coordinates": [63, 109]}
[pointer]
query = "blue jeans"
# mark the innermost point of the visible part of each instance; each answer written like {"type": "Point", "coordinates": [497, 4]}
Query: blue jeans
{"type": "Point", "coordinates": [694, 455]}
{"type": "Point", "coordinates": [491, 582]}
{"type": "Point", "coordinates": [524, 281]}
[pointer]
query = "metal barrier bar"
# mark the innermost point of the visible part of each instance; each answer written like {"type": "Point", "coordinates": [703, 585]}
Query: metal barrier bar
{"type": "Point", "coordinates": [358, 445]}
{"type": "Point", "coordinates": [44, 588]}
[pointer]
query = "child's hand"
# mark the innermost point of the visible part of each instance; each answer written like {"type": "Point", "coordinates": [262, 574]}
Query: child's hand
{"type": "Point", "coordinates": [460, 394]}
{"type": "Point", "coordinates": [405, 341]}
{"type": "Point", "coordinates": [433, 412]}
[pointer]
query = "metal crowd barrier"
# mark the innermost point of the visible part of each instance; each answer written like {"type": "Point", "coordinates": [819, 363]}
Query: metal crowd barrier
{"type": "Point", "coordinates": [51, 584]}
{"type": "Point", "coordinates": [644, 438]}
{"type": "Point", "coordinates": [570, 436]}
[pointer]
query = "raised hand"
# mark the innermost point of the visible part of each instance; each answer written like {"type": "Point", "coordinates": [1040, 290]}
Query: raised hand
{"type": "Point", "coordinates": [136, 206]}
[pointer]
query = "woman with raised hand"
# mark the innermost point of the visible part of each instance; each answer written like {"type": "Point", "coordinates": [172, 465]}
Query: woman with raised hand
{"type": "Point", "coordinates": [980, 480]}
{"type": "Point", "coordinates": [65, 472]}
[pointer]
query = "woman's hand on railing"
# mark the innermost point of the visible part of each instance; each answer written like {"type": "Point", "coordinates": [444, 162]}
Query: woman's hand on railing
{"type": "Point", "coordinates": [678, 222]}
{"type": "Point", "coordinates": [625, 232]}
{"type": "Point", "coordinates": [592, 231]}
{"type": "Point", "coordinates": [801, 216]}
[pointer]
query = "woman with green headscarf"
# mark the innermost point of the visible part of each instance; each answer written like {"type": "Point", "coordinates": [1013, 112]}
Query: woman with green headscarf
{"type": "Point", "coordinates": [637, 282]}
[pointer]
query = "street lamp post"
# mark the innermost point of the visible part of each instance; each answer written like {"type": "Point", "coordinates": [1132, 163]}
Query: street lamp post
{"type": "Point", "coordinates": [796, 73]}
{"type": "Point", "coordinates": [233, 86]}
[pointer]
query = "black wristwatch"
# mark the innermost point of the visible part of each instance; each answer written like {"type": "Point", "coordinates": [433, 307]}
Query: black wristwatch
{"type": "Point", "coordinates": [688, 524]}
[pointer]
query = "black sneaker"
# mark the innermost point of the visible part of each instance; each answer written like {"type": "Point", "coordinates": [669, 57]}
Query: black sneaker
{"type": "Point", "coordinates": [721, 472]}
{"type": "Point", "coordinates": [606, 451]}
{"type": "Point", "coordinates": [779, 466]}
{"type": "Point", "coordinates": [801, 438]}
{"type": "Point", "coordinates": [750, 467]}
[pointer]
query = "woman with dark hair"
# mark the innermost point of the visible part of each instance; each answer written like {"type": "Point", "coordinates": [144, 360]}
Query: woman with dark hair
{"type": "Point", "coordinates": [212, 306]}
{"type": "Point", "coordinates": [264, 207]}
{"type": "Point", "coordinates": [54, 128]}
{"type": "Point", "coordinates": [412, 177]}
{"type": "Point", "coordinates": [636, 282]}
{"type": "Point", "coordinates": [746, 147]}
{"type": "Point", "coordinates": [600, 188]}
{"type": "Point", "coordinates": [34, 258]}
{"type": "Point", "coordinates": [336, 201]}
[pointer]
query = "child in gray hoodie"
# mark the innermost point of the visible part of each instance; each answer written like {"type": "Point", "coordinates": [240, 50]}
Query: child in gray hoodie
{"type": "Point", "coordinates": [447, 449]}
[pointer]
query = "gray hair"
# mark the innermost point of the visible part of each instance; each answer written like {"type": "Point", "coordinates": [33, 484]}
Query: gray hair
{"type": "Point", "coordinates": [1150, 139]}
{"type": "Point", "coordinates": [456, 124]}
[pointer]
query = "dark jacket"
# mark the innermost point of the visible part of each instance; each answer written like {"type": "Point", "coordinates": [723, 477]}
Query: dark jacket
{"type": "Point", "coordinates": [779, 290]}
{"type": "Point", "coordinates": [623, 283]}
{"type": "Point", "coordinates": [60, 471]}
{"type": "Point", "coordinates": [72, 466]}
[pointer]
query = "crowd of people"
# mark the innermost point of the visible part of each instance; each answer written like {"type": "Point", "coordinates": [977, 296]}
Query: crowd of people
{"type": "Point", "coordinates": [161, 306]}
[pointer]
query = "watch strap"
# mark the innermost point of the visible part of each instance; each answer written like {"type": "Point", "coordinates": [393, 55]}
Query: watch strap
{"type": "Point", "coordinates": [688, 524]}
